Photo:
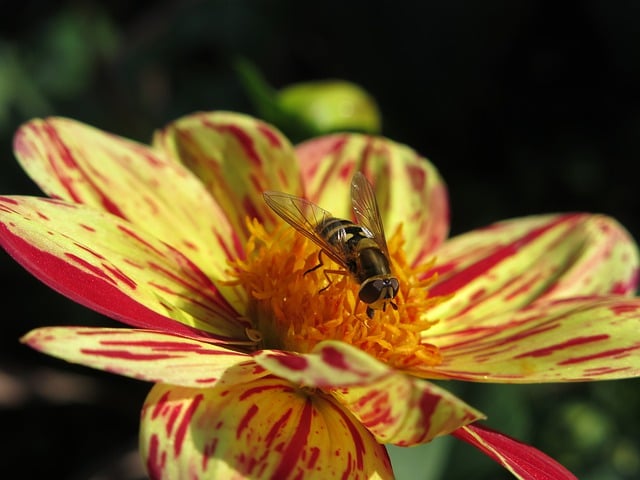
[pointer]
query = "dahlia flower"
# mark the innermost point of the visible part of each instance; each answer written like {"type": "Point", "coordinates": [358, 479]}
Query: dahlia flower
{"type": "Point", "coordinates": [261, 371]}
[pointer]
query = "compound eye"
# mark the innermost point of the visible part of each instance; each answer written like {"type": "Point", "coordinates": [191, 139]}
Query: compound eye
{"type": "Point", "coordinates": [395, 286]}
{"type": "Point", "coordinates": [370, 291]}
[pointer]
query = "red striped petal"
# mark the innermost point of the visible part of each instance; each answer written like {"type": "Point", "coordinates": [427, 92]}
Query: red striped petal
{"type": "Point", "coordinates": [267, 429]}
{"type": "Point", "coordinates": [237, 157]}
{"type": "Point", "coordinates": [510, 264]}
{"type": "Point", "coordinates": [404, 410]}
{"type": "Point", "coordinates": [331, 364]}
{"type": "Point", "coordinates": [523, 461]}
{"type": "Point", "coordinates": [81, 164]}
{"type": "Point", "coordinates": [147, 355]}
{"type": "Point", "coordinates": [395, 407]}
{"type": "Point", "coordinates": [111, 266]}
{"type": "Point", "coordinates": [576, 339]}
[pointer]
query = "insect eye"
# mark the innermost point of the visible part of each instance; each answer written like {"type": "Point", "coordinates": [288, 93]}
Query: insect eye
{"type": "Point", "coordinates": [395, 286]}
{"type": "Point", "coordinates": [373, 291]}
{"type": "Point", "coordinates": [370, 291]}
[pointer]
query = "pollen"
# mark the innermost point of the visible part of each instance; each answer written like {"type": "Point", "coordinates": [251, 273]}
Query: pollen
{"type": "Point", "coordinates": [293, 306]}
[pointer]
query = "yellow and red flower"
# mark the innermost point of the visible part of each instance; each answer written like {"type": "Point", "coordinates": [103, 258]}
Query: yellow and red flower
{"type": "Point", "coordinates": [257, 375]}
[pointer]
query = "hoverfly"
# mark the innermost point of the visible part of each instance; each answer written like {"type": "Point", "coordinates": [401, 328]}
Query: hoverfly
{"type": "Point", "coordinates": [360, 248]}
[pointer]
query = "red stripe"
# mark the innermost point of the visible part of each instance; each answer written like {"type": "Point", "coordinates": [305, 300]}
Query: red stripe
{"type": "Point", "coordinates": [125, 354]}
{"type": "Point", "coordinates": [358, 444]}
{"type": "Point", "coordinates": [244, 421]}
{"type": "Point", "coordinates": [70, 163]}
{"type": "Point", "coordinates": [244, 139]}
{"type": "Point", "coordinates": [543, 352]}
{"type": "Point", "coordinates": [480, 267]}
{"type": "Point", "coordinates": [614, 353]}
{"type": "Point", "coordinates": [269, 134]}
{"type": "Point", "coordinates": [155, 460]}
{"type": "Point", "coordinates": [297, 443]}
{"type": "Point", "coordinates": [184, 424]}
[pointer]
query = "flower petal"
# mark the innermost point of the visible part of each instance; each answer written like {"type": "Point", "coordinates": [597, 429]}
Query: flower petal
{"type": "Point", "coordinates": [147, 355]}
{"type": "Point", "coordinates": [264, 429]}
{"type": "Point", "coordinates": [81, 164]}
{"type": "Point", "coordinates": [395, 407]}
{"type": "Point", "coordinates": [523, 461]}
{"type": "Point", "coordinates": [512, 263]}
{"type": "Point", "coordinates": [575, 339]}
{"type": "Point", "coordinates": [405, 410]}
{"type": "Point", "coordinates": [108, 265]}
{"type": "Point", "coordinates": [237, 158]}
{"type": "Point", "coordinates": [331, 364]}
{"type": "Point", "coordinates": [409, 189]}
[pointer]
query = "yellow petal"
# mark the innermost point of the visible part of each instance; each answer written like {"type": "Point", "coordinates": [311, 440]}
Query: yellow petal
{"type": "Point", "coordinates": [512, 263]}
{"type": "Point", "coordinates": [147, 355]}
{"type": "Point", "coordinates": [567, 340]}
{"type": "Point", "coordinates": [263, 429]}
{"type": "Point", "coordinates": [112, 266]}
{"type": "Point", "coordinates": [408, 187]}
{"type": "Point", "coordinates": [237, 158]}
{"type": "Point", "coordinates": [81, 164]}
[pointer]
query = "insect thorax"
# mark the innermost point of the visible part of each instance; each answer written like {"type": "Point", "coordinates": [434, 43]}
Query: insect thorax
{"type": "Point", "coordinates": [342, 233]}
{"type": "Point", "coordinates": [363, 256]}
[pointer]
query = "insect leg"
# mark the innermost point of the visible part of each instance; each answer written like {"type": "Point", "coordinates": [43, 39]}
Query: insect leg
{"type": "Point", "coordinates": [389, 302]}
{"type": "Point", "coordinates": [325, 272]}
{"type": "Point", "coordinates": [326, 275]}
{"type": "Point", "coordinates": [320, 263]}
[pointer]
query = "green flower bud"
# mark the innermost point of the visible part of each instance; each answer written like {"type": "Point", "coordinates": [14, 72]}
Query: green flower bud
{"type": "Point", "coordinates": [309, 109]}
{"type": "Point", "coordinates": [331, 105]}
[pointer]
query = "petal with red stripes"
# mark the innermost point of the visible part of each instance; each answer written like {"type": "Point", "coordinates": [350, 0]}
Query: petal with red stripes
{"type": "Point", "coordinates": [566, 340]}
{"type": "Point", "coordinates": [408, 187]}
{"type": "Point", "coordinates": [405, 410]}
{"type": "Point", "coordinates": [81, 164]}
{"type": "Point", "coordinates": [523, 461]}
{"type": "Point", "coordinates": [237, 157]}
{"type": "Point", "coordinates": [395, 407]}
{"type": "Point", "coordinates": [267, 429]}
{"type": "Point", "coordinates": [147, 355]}
{"type": "Point", "coordinates": [111, 266]}
{"type": "Point", "coordinates": [330, 364]}
{"type": "Point", "coordinates": [510, 264]}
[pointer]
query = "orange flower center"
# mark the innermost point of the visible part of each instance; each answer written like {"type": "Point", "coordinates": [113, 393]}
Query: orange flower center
{"type": "Point", "coordinates": [293, 308]}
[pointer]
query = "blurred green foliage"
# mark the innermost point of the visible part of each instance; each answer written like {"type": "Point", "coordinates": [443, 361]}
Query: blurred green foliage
{"type": "Point", "coordinates": [525, 107]}
{"type": "Point", "coordinates": [55, 64]}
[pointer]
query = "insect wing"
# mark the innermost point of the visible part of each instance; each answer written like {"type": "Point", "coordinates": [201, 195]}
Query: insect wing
{"type": "Point", "coordinates": [304, 216]}
{"type": "Point", "coordinates": [365, 208]}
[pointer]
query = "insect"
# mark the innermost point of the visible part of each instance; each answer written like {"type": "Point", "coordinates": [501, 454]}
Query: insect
{"type": "Point", "coordinates": [359, 248]}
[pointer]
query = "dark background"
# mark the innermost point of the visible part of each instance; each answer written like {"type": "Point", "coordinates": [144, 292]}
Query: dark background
{"type": "Point", "coordinates": [524, 106]}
